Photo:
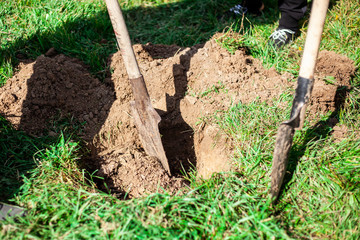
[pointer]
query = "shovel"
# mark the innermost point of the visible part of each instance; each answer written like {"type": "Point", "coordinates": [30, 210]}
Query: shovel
{"type": "Point", "coordinates": [145, 117]}
{"type": "Point", "coordinates": [7, 210]}
{"type": "Point", "coordinates": [302, 95]}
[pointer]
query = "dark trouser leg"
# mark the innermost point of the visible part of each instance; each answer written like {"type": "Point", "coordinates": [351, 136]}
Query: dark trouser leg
{"type": "Point", "coordinates": [292, 11]}
{"type": "Point", "coordinates": [252, 5]}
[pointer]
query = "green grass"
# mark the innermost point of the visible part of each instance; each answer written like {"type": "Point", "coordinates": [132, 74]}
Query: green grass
{"type": "Point", "coordinates": [62, 205]}
{"type": "Point", "coordinates": [321, 193]}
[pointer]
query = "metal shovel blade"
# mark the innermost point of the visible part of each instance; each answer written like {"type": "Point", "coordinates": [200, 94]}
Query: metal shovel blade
{"type": "Point", "coordinates": [7, 210]}
{"type": "Point", "coordinates": [283, 144]}
{"type": "Point", "coordinates": [147, 122]}
{"type": "Point", "coordinates": [286, 132]}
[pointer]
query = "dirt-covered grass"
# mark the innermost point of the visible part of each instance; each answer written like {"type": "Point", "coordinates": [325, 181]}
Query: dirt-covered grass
{"type": "Point", "coordinates": [320, 199]}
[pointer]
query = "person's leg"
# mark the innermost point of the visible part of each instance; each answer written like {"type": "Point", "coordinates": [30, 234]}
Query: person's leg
{"type": "Point", "coordinates": [253, 6]}
{"type": "Point", "coordinates": [292, 11]}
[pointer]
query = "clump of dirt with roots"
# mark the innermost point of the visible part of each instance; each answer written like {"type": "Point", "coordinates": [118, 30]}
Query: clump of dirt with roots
{"type": "Point", "coordinates": [184, 84]}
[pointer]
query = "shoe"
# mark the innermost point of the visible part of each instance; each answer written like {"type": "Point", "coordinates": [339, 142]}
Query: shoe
{"type": "Point", "coordinates": [280, 37]}
{"type": "Point", "coordinates": [239, 9]}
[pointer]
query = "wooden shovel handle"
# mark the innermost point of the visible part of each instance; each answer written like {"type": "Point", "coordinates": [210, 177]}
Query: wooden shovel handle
{"type": "Point", "coordinates": [311, 49]}
{"type": "Point", "coordinates": [313, 38]}
{"type": "Point", "coordinates": [123, 39]}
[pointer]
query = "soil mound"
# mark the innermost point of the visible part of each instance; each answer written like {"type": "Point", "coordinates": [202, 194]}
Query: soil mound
{"type": "Point", "coordinates": [51, 88]}
{"type": "Point", "coordinates": [185, 85]}
{"type": "Point", "coordinates": [332, 82]}
{"type": "Point", "coordinates": [195, 82]}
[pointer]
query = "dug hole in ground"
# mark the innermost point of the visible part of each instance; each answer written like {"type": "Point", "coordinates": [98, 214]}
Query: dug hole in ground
{"type": "Point", "coordinates": [184, 84]}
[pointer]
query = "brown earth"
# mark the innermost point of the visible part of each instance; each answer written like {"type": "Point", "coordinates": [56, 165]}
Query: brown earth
{"type": "Point", "coordinates": [332, 82]}
{"type": "Point", "coordinates": [185, 85]}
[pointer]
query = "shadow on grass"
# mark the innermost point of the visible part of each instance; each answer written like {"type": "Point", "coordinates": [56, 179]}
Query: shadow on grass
{"type": "Point", "coordinates": [91, 39]}
{"type": "Point", "coordinates": [16, 157]}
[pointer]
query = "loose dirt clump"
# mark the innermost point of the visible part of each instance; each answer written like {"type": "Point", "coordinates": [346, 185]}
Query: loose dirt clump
{"type": "Point", "coordinates": [186, 85]}
{"type": "Point", "coordinates": [340, 133]}
{"type": "Point", "coordinates": [135, 173]}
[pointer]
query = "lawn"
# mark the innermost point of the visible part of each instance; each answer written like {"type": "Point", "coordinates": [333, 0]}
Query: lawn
{"type": "Point", "coordinates": [320, 198]}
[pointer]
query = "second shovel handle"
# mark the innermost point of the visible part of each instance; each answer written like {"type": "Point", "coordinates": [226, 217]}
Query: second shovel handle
{"type": "Point", "coordinates": [313, 38]}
